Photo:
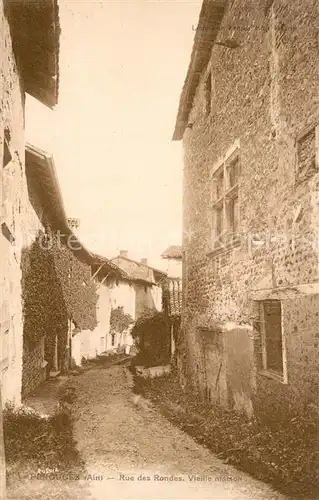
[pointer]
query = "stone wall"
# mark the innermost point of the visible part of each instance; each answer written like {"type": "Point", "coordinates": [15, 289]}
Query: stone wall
{"type": "Point", "coordinates": [17, 218]}
{"type": "Point", "coordinates": [264, 98]}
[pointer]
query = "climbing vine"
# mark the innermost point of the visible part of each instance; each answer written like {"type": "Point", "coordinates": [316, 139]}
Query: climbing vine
{"type": "Point", "coordinates": [44, 307]}
{"type": "Point", "coordinates": [79, 290]}
{"type": "Point", "coordinates": [56, 287]}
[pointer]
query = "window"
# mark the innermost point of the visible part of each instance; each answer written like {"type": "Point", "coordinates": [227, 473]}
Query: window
{"type": "Point", "coordinates": [7, 157]}
{"type": "Point", "coordinates": [268, 6]}
{"type": "Point", "coordinates": [208, 93]}
{"type": "Point", "coordinates": [7, 233]}
{"type": "Point", "coordinates": [219, 221]}
{"type": "Point", "coordinates": [233, 215]}
{"type": "Point", "coordinates": [42, 349]}
{"type": "Point", "coordinates": [219, 184]}
{"type": "Point", "coordinates": [225, 202]}
{"type": "Point", "coordinates": [233, 173]}
{"type": "Point", "coordinates": [307, 164]}
{"type": "Point", "coordinates": [4, 351]}
{"type": "Point", "coordinates": [272, 343]}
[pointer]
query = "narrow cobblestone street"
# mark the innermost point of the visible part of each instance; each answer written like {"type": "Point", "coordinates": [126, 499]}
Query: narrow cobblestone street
{"type": "Point", "coordinates": [122, 438]}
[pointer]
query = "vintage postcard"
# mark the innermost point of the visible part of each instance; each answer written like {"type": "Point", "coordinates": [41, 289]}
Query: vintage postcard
{"type": "Point", "coordinates": [159, 259]}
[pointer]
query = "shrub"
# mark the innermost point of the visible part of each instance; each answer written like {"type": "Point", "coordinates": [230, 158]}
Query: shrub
{"type": "Point", "coordinates": [42, 439]}
{"type": "Point", "coordinates": [152, 333]}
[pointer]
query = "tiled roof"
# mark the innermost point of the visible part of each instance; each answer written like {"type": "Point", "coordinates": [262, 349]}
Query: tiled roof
{"type": "Point", "coordinates": [35, 30]}
{"type": "Point", "coordinates": [99, 260]}
{"type": "Point", "coordinates": [173, 252]}
{"type": "Point", "coordinates": [137, 271]}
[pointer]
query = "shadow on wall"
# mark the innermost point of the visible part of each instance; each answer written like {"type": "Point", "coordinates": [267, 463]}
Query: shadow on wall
{"type": "Point", "coordinates": [44, 312]}
{"type": "Point", "coordinates": [153, 339]}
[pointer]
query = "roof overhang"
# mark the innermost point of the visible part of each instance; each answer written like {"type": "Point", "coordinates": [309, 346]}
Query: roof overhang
{"type": "Point", "coordinates": [174, 252]}
{"type": "Point", "coordinates": [43, 183]}
{"type": "Point", "coordinates": [42, 179]}
{"type": "Point", "coordinates": [35, 32]}
{"type": "Point", "coordinates": [107, 267]}
{"type": "Point", "coordinates": [159, 271]}
{"type": "Point", "coordinates": [210, 18]}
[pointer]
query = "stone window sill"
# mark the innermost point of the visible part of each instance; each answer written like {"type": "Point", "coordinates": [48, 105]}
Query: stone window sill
{"type": "Point", "coordinates": [224, 248]}
{"type": "Point", "coordinates": [273, 375]}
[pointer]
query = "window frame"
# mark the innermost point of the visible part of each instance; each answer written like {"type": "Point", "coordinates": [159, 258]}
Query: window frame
{"type": "Point", "coordinates": [298, 140]}
{"type": "Point", "coordinates": [228, 194]}
{"type": "Point", "coordinates": [208, 92]}
{"type": "Point", "coordinates": [269, 372]}
{"type": "Point", "coordinates": [5, 348]}
{"type": "Point", "coordinates": [42, 349]}
{"type": "Point", "coordinates": [7, 155]}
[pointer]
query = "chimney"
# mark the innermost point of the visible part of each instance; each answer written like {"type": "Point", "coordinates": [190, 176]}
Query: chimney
{"type": "Point", "coordinates": [74, 223]}
{"type": "Point", "coordinates": [144, 262]}
{"type": "Point", "coordinates": [123, 253]}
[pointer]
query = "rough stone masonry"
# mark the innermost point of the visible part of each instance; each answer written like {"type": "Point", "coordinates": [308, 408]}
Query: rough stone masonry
{"type": "Point", "coordinates": [256, 103]}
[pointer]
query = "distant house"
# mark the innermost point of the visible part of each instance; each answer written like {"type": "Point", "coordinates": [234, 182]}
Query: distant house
{"type": "Point", "coordinates": [174, 256]}
{"type": "Point", "coordinates": [147, 282]}
{"type": "Point", "coordinates": [139, 291]}
{"type": "Point", "coordinates": [29, 57]}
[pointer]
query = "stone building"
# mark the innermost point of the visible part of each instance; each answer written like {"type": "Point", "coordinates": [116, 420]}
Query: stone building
{"type": "Point", "coordinates": [147, 284]}
{"type": "Point", "coordinates": [248, 117]}
{"type": "Point", "coordinates": [29, 50]}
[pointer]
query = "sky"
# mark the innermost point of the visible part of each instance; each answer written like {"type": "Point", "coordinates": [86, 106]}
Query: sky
{"type": "Point", "coordinates": [122, 68]}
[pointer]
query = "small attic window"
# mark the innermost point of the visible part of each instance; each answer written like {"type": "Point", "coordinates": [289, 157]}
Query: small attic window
{"type": "Point", "coordinates": [268, 6]}
{"type": "Point", "coordinates": [7, 156]}
{"type": "Point", "coordinates": [7, 233]}
{"type": "Point", "coordinates": [307, 163]}
{"type": "Point", "coordinates": [208, 93]}
{"type": "Point", "coordinates": [4, 357]}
